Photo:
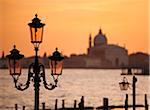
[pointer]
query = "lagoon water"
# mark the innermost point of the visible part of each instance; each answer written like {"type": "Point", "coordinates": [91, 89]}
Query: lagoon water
{"type": "Point", "coordinates": [94, 84]}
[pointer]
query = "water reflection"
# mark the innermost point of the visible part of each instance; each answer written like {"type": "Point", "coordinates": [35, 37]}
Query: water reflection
{"type": "Point", "coordinates": [74, 83]}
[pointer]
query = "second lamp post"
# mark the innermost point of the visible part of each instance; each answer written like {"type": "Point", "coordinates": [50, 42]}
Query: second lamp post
{"type": "Point", "coordinates": [124, 85]}
{"type": "Point", "coordinates": [36, 70]}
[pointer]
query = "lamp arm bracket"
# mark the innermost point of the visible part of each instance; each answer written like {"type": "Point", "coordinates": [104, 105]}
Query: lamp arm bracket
{"type": "Point", "coordinates": [21, 86]}
{"type": "Point", "coordinates": [30, 71]}
{"type": "Point", "coordinates": [46, 85]}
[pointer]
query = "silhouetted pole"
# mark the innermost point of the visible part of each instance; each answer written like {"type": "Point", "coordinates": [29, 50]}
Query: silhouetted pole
{"type": "Point", "coordinates": [126, 102]}
{"type": "Point", "coordinates": [56, 102]}
{"type": "Point", "coordinates": [134, 92]}
{"type": "Point", "coordinates": [63, 104]}
{"type": "Point", "coordinates": [23, 108]}
{"type": "Point", "coordinates": [146, 103]}
{"type": "Point", "coordinates": [16, 106]}
{"type": "Point", "coordinates": [75, 103]}
{"type": "Point", "coordinates": [36, 80]}
{"type": "Point", "coordinates": [43, 106]}
{"type": "Point", "coordinates": [105, 103]}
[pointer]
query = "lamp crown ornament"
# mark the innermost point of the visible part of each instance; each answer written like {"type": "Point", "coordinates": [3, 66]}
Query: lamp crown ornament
{"type": "Point", "coordinates": [36, 22]}
{"type": "Point", "coordinates": [36, 29]}
{"type": "Point", "coordinates": [56, 55]}
{"type": "Point", "coordinates": [15, 54]}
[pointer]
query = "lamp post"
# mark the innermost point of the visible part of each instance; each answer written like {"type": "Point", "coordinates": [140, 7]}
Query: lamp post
{"type": "Point", "coordinates": [36, 70]}
{"type": "Point", "coordinates": [124, 85]}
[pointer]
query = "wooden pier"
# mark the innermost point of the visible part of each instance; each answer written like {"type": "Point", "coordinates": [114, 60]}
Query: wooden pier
{"type": "Point", "coordinates": [135, 71]}
{"type": "Point", "coordinates": [105, 106]}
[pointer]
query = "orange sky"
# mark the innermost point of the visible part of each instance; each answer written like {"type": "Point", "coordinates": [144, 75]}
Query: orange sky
{"type": "Point", "coordinates": [69, 23]}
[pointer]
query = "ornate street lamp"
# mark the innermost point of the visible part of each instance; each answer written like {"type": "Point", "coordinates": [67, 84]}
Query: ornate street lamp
{"type": "Point", "coordinates": [56, 65]}
{"type": "Point", "coordinates": [124, 85]}
{"type": "Point", "coordinates": [36, 29]}
{"type": "Point", "coordinates": [15, 63]}
{"type": "Point", "coordinates": [36, 70]}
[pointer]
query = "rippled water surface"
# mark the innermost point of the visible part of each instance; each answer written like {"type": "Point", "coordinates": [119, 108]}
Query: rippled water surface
{"type": "Point", "coordinates": [94, 84]}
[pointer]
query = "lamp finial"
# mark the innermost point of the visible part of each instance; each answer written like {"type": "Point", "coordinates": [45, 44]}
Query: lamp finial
{"type": "Point", "coordinates": [14, 46]}
{"type": "Point", "coordinates": [56, 49]}
{"type": "Point", "coordinates": [36, 15]}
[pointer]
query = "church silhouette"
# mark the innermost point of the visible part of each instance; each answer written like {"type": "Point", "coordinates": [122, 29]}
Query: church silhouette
{"type": "Point", "coordinates": [100, 54]}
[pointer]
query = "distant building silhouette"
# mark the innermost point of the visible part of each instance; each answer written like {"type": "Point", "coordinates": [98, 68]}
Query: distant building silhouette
{"type": "Point", "coordinates": [3, 61]}
{"type": "Point", "coordinates": [3, 54]}
{"type": "Point", "coordinates": [104, 55]}
{"type": "Point", "coordinates": [100, 55]}
{"type": "Point", "coordinates": [139, 60]}
{"type": "Point", "coordinates": [75, 61]}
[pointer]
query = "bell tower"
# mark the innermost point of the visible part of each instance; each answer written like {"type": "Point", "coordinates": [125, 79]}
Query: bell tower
{"type": "Point", "coordinates": [90, 41]}
{"type": "Point", "coordinates": [90, 44]}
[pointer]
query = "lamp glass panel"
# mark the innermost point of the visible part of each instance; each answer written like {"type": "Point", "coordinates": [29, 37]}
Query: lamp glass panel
{"type": "Point", "coordinates": [123, 86]}
{"type": "Point", "coordinates": [14, 67]}
{"type": "Point", "coordinates": [36, 34]}
{"type": "Point", "coordinates": [56, 67]}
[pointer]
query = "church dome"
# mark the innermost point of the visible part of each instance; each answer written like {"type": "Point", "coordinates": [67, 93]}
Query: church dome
{"type": "Point", "coordinates": [100, 39]}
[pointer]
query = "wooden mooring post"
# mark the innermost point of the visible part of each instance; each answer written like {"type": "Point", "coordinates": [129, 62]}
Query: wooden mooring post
{"type": "Point", "coordinates": [43, 106]}
{"type": "Point", "coordinates": [56, 102]}
{"type": "Point", "coordinates": [105, 104]}
{"type": "Point", "coordinates": [16, 106]}
{"type": "Point", "coordinates": [75, 103]}
{"type": "Point", "coordinates": [126, 102]}
{"type": "Point", "coordinates": [63, 104]}
{"type": "Point", "coordinates": [23, 108]}
{"type": "Point", "coordinates": [146, 102]}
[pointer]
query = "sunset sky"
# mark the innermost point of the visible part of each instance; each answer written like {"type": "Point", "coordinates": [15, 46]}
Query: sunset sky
{"type": "Point", "coordinates": [69, 23]}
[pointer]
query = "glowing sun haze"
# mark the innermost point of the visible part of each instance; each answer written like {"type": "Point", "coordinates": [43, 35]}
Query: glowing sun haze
{"type": "Point", "coordinates": [69, 23]}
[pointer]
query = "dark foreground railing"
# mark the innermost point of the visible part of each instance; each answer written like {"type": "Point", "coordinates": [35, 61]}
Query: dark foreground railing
{"type": "Point", "coordinates": [105, 106]}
